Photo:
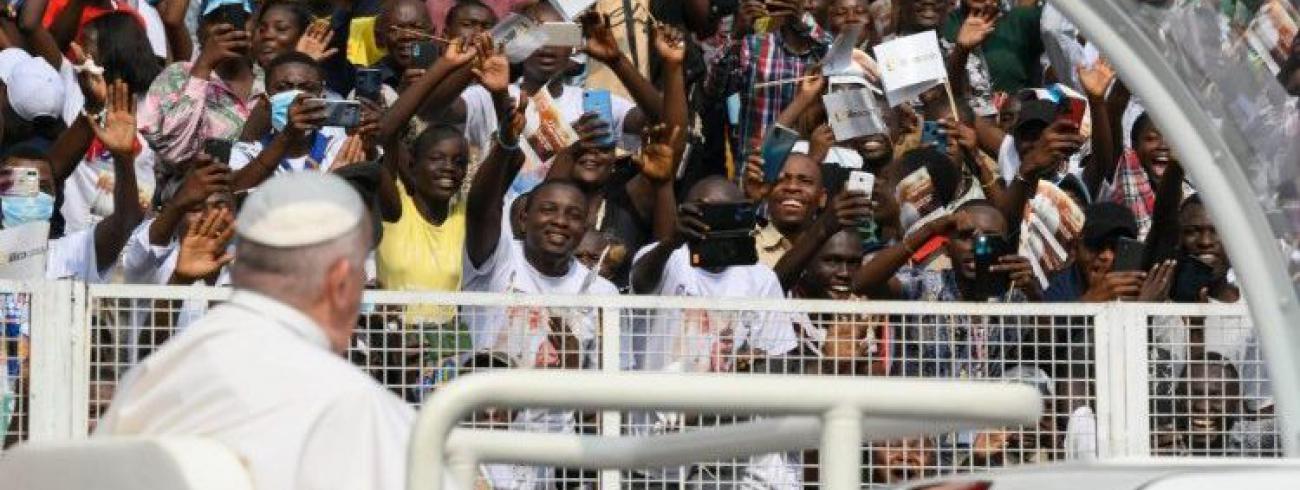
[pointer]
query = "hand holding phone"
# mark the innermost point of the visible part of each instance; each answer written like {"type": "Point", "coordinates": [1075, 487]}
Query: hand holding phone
{"type": "Point", "coordinates": [1128, 255]}
{"type": "Point", "coordinates": [860, 181]}
{"type": "Point", "coordinates": [218, 149]}
{"type": "Point", "coordinates": [368, 84]}
{"type": "Point", "coordinates": [598, 102]}
{"type": "Point", "coordinates": [340, 113]}
{"type": "Point", "coordinates": [932, 133]}
{"type": "Point", "coordinates": [423, 53]}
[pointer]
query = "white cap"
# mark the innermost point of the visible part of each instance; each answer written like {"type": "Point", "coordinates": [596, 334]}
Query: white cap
{"type": "Point", "coordinates": [9, 58]}
{"type": "Point", "coordinates": [35, 88]}
{"type": "Point", "coordinates": [300, 209]}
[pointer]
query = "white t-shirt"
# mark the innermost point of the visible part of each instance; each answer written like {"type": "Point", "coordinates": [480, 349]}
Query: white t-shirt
{"type": "Point", "coordinates": [520, 331]}
{"type": "Point", "coordinates": [689, 340]}
{"type": "Point", "coordinates": [88, 192]}
{"type": "Point", "coordinates": [244, 152]}
{"type": "Point", "coordinates": [73, 257]}
{"type": "Point", "coordinates": [481, 122]}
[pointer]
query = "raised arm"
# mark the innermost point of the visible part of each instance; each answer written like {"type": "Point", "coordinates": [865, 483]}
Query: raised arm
{"type": "Point", "coordinates": [875, 279]}
{"type": "Point", "coordinates": [808, 96]}
{"type": "Point", "coordinates": [39, 40]}
{"type": "Point", "coordinates": [66, 23]}
{"type": "Point", "coordinates": [180, 46]}
{"type": "Point", "coordinates": [1058, 142]}
{"type": "Point", "coordinates": [974, 30]}
{"type": "Point", "coordinates": [652, 190]}
{"type": "Point", "coordinates": [648, 272]}
{"type": "Point", "coordinates": [602, 47]}
{"type": "Point", "coordinates": [849, 209]}
{"type": "Point", "coordinates": [205, 179]}
{"type": "Point", "coordinates": [487, 194]}
{"type": "Point", "coordinates": [119, 136]}
{"type": "Point", "coordinates": [1162, 238]}
{"type": "Point", "coordinates": [305, 116]}
{"type": "Point", "coordinates": [458, 54]}
{"type": "Point", "coordinates": [1096, 79]}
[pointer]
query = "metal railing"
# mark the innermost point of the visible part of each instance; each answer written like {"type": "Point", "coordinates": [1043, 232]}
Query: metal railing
{"type": "Point", "coordinates": [1117, 379]}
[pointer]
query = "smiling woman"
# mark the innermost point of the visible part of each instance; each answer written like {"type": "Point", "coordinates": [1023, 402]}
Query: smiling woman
{"type": "Point", "coordinates": [279, 25]}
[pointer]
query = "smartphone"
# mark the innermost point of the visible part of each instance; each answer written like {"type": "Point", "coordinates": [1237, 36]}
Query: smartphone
{"type": "Point", "coordinates": [726, 249]}
{"type": "Point", "coordinates": [423, 53]}
{"type": "Point", "coordinates": [860, 181]}
{"type": "Point", "coordinates": [236, 17]}
{"type": "Point", "coordinates": [368, 84]}
{"type": "Point", "coordinates": [1190, 277]}
{"type": "Point", "coordinates": [933, 134]}
{"type": "Point", "coordinates": [1128, 255]}
{"type": "Point", "coordinates": [340, 113]}
{"type": "Point", "coordinates": [1073, 109]}
{"type": "Point", "coordinates": [730, 216]}
{"type": "Point", "coordinates": [987, 250]}
{"type": "Point", "coordinates": [219, 150]}
{"type": "Point", "coordinates": [776, 148]}
{"type": "Point", "coordinates": [597, 101]}
{"type": "Point", "coordinates": [26, 182]}
{"type": "Point", "coordinates": [561, 34]}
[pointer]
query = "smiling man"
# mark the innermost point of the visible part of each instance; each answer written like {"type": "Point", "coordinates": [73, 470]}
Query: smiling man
{"type": "Point", "coordinates": [791, 207]}
{"type": "Point", "coordinates": [542, 262]}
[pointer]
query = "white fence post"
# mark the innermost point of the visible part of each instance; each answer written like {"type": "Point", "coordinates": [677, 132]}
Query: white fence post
{"type": "Point", "coordinates": [59, 359]}
{"type": "Point", "coordinates": [1108, 349]}
{"type": "Point", "coordinates": [611, 421]}
{"type": "Point", "coordinates": [1137, 423]}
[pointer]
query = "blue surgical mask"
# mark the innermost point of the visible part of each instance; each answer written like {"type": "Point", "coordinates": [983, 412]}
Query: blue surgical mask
{"type": "Point", "coordinates": [280, 108]}
{"type": "Point", "coordinates": [20, 210]}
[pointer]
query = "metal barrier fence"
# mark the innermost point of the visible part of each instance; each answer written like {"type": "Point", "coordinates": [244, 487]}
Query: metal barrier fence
{"type": "Point", "coordinates": [1117, 379]}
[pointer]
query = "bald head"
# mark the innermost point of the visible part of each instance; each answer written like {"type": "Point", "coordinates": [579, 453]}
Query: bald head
{"type": "Point", "coordinates": [714, 189]}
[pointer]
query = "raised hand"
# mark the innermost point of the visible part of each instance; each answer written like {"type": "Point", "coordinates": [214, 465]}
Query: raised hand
{"type": "Point", "coordinates": [852, 208]}
{"type": "Point", "coordinates": [224, 42]}
{"type": "Point", "coordinates": [977, 28]}
{"type": "Point", "coordinates": [207, 178]}
{"type": "Point", "coordinates": [690, 224]}
{"type": "Point", "coordinates": [1155, 289]}
{"type": "Point", "coordinates": [593, 132]}
{"type": "Point", "coordinates": [812, 86]}
{"type": "Point", "coordinates": [316, 41]}
{"type": "Point", "coordinates": [202, 251]}
{"type": "Point", "coordinates": [601, 44]}
{"type": "Point", "coordinates": [1058, 142]}
{"type": "Point", "coordinates": [459, 52]}
{"type": "Point", "coordinates": [516, 122]}
{"type": "Point", "coordinates": [1096, 78]}
{"type": "Point", "coordinates": [756, 186]}
{"type": "Point", "coordinates": [658, 152]}
{"type": "Point", "coordinates": [305, 116]}
{"type": "Point", "coordinates": [90, 78]}
{"type": "Point", "coordinates": [669, 42]}
{"type": "Point", "coordinates": [117, 129]}
{"type": "Point", "coordinates": [820, 142]}
{"type": "Point", "coordinates": [353, 151]}
{"type": "Point", "coordinates": [492, 67]}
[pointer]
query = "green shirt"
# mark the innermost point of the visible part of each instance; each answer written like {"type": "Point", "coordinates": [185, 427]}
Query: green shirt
{"type": "Point", "coordinates": [1012, 52]}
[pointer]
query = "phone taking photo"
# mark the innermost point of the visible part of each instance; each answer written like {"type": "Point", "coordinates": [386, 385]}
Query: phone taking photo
{"type": "Point", "coordinates": [340, 113]}
{"type": "Point", "coordinates": [1128, 255]}
{"type": "Point", "coordinates": [860, 181]}
{"type": "Point", "coordinates": [933, 134]}
{"type": "Point", "coordinates": [219, 150]}
{"type": "Point", "coordinates": [423, 53]}
{"type": "Point", "coordinates": [598, 101]}
{"type": "Point", "coordinates": [988, 249]}
{"type": "Point", "coordinates": [368, 84]}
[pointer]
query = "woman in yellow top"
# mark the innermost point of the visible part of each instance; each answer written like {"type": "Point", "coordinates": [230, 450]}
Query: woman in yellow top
{"type": "Point", "coordinates": [422, 250]}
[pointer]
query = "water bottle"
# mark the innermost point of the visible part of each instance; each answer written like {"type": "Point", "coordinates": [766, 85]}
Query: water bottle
{"type": "Point", "coordinates": [13, 334]}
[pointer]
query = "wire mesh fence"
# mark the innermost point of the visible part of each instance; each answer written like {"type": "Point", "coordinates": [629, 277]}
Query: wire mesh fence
{"type": "Point", "coordinates": [15, 376]}
{"type": "Point", "coordinates": [1209, 390]}
{"type": "Point", "coordinates": [1081, 358]}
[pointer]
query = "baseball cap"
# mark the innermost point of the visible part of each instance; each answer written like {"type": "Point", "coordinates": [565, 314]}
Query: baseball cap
{"type": "Point", "coordinates": [1105, 221]}
{"type": "Point", "coordinates": [300, 209]}
{"type": "Point", "coordinates": [34, 88]}
{"type": "Point", "coordinates": [1036, 111]}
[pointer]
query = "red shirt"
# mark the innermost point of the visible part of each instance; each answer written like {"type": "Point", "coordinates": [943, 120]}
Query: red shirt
{"type": "Point", "coordinates": [88, 13]}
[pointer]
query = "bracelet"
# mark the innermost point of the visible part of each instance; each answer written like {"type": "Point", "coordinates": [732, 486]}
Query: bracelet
{"type": "Point", "coordinates": [501, 143]}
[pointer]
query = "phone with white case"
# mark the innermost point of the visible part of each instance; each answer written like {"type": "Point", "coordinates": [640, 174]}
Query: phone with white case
{"type": "Point", "coordinates": [860, 181]}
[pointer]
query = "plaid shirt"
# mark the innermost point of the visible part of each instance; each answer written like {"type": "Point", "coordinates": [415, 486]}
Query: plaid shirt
{"type": "Point", "coordinates": [1131, 187]}
{"type": "Point", "coordinates": [765, 58]}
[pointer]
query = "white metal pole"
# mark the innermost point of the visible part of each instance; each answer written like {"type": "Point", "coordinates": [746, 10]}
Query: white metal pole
{"type": "Point", "coordinates": [841, 449]}
{"type": "Point", "coordinates": [611, 421]}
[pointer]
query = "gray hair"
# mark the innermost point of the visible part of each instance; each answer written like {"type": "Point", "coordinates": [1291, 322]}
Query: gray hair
{"type": "Point", "coordinates": [296, 275]}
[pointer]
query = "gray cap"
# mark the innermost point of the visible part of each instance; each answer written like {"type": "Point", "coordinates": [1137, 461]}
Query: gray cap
{"type": "Point", "coordinates": [299, 209]}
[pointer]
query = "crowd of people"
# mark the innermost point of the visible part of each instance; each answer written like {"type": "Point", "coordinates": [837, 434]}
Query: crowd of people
{"type": "Point", "coordinates": [497, 154]}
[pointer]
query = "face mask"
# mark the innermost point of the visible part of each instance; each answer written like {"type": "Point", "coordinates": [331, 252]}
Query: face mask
{"type": "Point", "coordinates": [20, 210]}
{"type": "Point", "coordinates": [280, 108]}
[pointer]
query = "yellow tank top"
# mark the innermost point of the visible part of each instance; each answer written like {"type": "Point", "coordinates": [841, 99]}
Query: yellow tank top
{"type": "Point", "coordinates": [416, 255]}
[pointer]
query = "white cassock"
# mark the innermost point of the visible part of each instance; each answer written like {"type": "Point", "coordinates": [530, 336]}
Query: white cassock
{"type": "Point", "coordinates": [258, 376]}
